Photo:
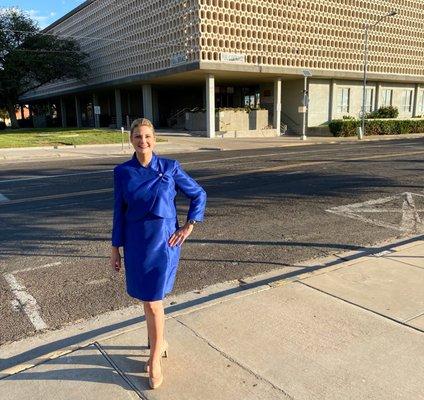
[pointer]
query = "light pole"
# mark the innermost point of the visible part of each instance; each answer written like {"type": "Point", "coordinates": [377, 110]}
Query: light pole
{"type": "Point", "coordinates": [367, 26]}
{"type": "Point", "coordinates": [306, 74]}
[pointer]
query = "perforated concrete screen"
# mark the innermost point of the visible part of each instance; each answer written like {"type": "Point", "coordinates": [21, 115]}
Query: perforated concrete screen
{"type": "Point", "coordinates": [133, 37]}
{"type": "Point", "coordinates": [322, 34]}
{"type": "Point", "coordinates": [130, 37]}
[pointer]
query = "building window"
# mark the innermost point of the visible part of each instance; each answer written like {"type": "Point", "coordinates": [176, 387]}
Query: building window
{"type": "Point", "coordinates": [369, 95]}
{"type": "Point", "coordinates": [343, 100]}
{"type": "Point", "coordinates": [387, 98]}
{"type": "Point", "coordinates": [406, 104]}
{"type": "Point", "coordinates": [420, 103]}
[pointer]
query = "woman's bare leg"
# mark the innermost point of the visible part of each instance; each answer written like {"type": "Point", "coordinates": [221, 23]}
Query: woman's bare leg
{"type": "Point", "coordinates": [155, 318]}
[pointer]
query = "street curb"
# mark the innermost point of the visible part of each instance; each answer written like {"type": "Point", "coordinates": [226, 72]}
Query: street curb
{"type": "Point", "coordinates": [238, 288]}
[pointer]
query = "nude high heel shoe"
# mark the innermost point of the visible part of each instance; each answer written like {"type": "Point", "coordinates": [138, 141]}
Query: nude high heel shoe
{"type": "Point", "coordinates": [164, 353]}
{"type": "Point", "coordinates": [154, 383]}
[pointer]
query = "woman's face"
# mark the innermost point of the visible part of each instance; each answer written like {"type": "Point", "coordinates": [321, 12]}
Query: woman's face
{"type": "Point", "coordinates": [143, 140]}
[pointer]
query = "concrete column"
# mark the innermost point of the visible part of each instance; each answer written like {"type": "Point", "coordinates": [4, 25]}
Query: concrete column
{"type": "Point", "coordinates": [415, 105]}
{"type": "Point", "coordinates": [63, 112]}
{"type": "Point", "coordinates": [128, 103]}
{"type": "Point", "coordinates": [332, 100]}
{"type": "Point", "coordinates": [78, 112]}
{"type": "Point", "coordinates": [147, 102]}
{"type": "Point", "coordinates": [96, 117]}
{"type": "Point", "coordinates": [155, 99]}
{"type": "Point", "coordinates": [210, 106]}
{"type": "Point", "coordinates": [377, 96]}
{"type": "Point", "coordinates": [118, 107]}
{"type": "Point", "coordinates": [22, 112]}
{"type": "Point", "coordinates": [109, 107]}
{"type": "Point", "coordinates": [277, 104]}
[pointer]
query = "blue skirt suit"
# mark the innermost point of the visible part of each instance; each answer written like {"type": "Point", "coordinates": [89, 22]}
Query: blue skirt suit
{"type": "Point", "coordinates": [144, 219]}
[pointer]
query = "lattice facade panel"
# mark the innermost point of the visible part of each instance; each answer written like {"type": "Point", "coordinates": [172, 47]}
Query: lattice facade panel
{"type": "Point", "coordinates": [141, 36]}
{"type": "Point", "coordinates": [315, 34]}
{"type": "Point", "coordinates": [131, 37]}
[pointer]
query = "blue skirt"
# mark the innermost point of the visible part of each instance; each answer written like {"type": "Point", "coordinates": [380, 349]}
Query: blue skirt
{"type": "Point", "coordinates": [150, 262]}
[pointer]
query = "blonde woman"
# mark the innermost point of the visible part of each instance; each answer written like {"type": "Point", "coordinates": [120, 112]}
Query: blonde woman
{"type": "Point", "coordinates": [145, 224]}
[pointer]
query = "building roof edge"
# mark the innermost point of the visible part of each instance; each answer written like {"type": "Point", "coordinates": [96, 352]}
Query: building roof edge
{"type": "Point", "coordinates": [69, 14]}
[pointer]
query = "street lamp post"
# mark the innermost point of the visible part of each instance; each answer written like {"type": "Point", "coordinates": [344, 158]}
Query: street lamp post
{"type": "Point", "coordinates": [367, 26]}
{"type": "Point", "coordinates": [306, 74]}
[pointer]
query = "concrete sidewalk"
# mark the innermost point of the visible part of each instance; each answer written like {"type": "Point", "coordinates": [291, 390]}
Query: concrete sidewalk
{"type": "Point", "coordinates": [349, 327]}
{"type": "Point", "coordinates": [177, 142]}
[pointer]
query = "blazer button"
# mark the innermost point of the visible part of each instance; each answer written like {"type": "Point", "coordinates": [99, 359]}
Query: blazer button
{"type": "Point", "coordinates": [160, 174]}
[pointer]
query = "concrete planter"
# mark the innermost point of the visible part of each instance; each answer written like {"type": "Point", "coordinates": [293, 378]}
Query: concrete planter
{"type": "Point", "coordinates": [232, 120]}
{"type": "Point", "coordinates": [249, 133]}
{"type": "Point", "coordinates": [233, 123]}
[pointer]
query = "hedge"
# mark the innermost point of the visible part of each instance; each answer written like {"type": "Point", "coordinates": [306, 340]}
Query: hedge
{"type": "Point", "coordinates": [347, 127]}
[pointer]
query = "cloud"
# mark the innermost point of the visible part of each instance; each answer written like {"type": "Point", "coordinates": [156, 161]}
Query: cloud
{"type": "Point", "coordinates": [42, 20]}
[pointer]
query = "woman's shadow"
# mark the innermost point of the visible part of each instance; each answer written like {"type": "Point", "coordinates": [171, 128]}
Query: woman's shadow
{"type": "Point", "coordinates": [123, 367]}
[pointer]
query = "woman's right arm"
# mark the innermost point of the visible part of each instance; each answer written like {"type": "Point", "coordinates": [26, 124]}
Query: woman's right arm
{"type": "Point", "coordinates": [118, 229]}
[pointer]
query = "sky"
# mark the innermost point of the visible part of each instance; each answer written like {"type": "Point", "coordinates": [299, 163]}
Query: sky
{"type": "Point", "coordinates": [44, 12]}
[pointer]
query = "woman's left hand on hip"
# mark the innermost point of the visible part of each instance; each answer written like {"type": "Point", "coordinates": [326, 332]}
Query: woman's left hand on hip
{"type": "Point", "coordinates": [178, 237]}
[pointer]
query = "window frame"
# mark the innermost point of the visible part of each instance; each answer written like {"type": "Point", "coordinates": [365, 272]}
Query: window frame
{"type": "Point", "coordinates": [369, 106]}
{"type": "Point", "coordinates": [384, 98]}
{"type": "Point", "coordinates": [406, 105]}
{"type": "Point", "coordinates": [420, 102]}
{"type": "Point", "coordinates": [343, 104]}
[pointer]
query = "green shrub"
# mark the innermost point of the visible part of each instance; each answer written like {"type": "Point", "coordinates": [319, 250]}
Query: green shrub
{"type": "Point", "coordinates": [344, 127]}
{"type": "Point", "coordinates": [340, 127]}
{"type": "Point", "coordinates": [384, 112]}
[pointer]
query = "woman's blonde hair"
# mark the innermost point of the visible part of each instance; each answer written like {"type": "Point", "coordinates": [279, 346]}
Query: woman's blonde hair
{"type": "Point", "coordinates": [142, 122]}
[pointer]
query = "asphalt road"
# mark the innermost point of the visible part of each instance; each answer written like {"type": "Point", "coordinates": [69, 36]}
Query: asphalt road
{"type": "Point", "coordinates": [267, 209]}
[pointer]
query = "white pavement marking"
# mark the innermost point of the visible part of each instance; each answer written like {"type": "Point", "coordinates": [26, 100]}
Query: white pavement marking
{"type": "Point", "coordinates": [98, 281]}
{"type": "Point", "coordinates": [26, 301]}
{"type": "Point", "coordinates": [55, 264]}
{"type": "Point", "coordinates": [410, 222]}
{"type": "Point", "coordinates": [184, 163]}
{"type": "Point", "coordinates": [3, 198]}
{"type": "Point", "coordinates": [58, 196]}
{"type": "Point", "coordinates": [33, 178]}
{"type": "Point", "coordinates": [224, 175]}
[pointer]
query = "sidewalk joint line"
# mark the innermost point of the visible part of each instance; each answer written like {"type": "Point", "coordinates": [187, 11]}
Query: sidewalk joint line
{"type": "Point", "coordinates": [119, 371]}
{"type": "Point", "coordinates": [243, 291]}
{"type": "Point", "coordinates": [233, 360]}
{"type": "Point", "coordinates": [414, 317]}
{"type": "Point", "coordinates": [403, 262]}
{"type": "Point", "coordinates": [362, 307]}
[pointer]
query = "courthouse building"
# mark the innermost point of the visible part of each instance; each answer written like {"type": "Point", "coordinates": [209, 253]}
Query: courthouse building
{"type": "Point", "coordinates": [161, 58]}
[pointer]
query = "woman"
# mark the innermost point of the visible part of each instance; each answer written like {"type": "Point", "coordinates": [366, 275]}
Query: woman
{"type": "Point", "coordinates": [145, 223]}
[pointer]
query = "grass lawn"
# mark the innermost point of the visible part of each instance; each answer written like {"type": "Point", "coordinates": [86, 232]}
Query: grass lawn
{"type": "Point", "coordinates": [59, 137]}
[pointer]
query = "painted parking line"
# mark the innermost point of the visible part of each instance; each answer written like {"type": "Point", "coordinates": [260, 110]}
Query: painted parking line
{"type": "Point", "coordinates": [58, 196]}
{"type": "Point", "coordinates": [26, 301]}
{"type": "Point", "coordinates": [215, 160]}
{"type": "Point", "coordinates": [223, 175]}
{"type": "Point", "coordinates": [55, 264]}
{"type": "Point", "coordinates": [110, 190]}
{"type": "Point", "coordinates": [34, 178]}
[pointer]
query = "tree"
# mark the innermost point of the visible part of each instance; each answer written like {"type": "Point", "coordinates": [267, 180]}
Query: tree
{"type": "Point", "coordinates": [30, 58]}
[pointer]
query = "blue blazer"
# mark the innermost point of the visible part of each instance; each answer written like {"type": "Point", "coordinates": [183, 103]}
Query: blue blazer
{"type": "Point", "coordinates": [141, 190]}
